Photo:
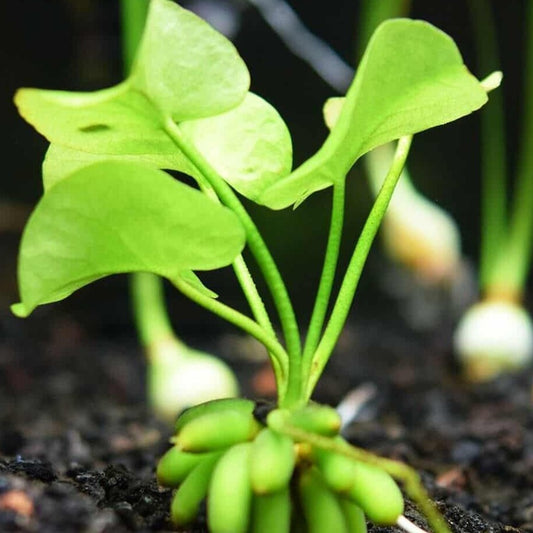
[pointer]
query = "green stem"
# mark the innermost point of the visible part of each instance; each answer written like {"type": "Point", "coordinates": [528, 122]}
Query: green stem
{"type": "Point", "coordinates": [151, 318]}
{"type": "Point", "coordinates": [259, 312]}
{"type": "Point", "coordinates": [295, 393]}
{"type": "Point", "coordinates": [409, 477]}
{"type": "Point", "coordinates": [248, 286]}
{"type": "Point", "coordinates": [514, 263]}
{"type": "Point", "coordinates": [328, 275]}
{"type": "Point", "coordinates": [276, 352]}
{"type": "Point", "coordinates": [242, 272]}
{"type": "Point", "coordinates": [493, 149]}
{"type": "Point", "coordinates": [253, 238]}
{"type": "Point", "coordinates": [355, 267]}
{"type": "Point", "coordinates": [253, 297]}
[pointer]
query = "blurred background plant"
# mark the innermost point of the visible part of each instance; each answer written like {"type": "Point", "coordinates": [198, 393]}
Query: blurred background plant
{"type": "Point", "coordinates": [495, 335]}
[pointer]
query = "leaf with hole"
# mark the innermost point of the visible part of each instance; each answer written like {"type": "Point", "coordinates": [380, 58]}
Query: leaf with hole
{"type": "Point", "coordinates": [249, 146]}
{"type": "Point", "coordinates": [116, 121]}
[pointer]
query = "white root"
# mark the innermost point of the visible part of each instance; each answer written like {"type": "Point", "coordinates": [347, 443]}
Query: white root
{"type": "Point", "coordinates": [408, 526]}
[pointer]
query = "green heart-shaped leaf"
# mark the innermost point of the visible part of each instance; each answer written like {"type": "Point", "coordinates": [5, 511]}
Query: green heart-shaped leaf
{"type": "Point", "coordinates": [185, 67]}
{"type": "Point", "coordinates": [117, 217]}
{"type": "Point", "coordinates": [249, 146]}
{"type": "Point", "coordinates": [411, 78]}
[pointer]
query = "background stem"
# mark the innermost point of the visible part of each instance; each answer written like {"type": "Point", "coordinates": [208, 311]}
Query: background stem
{"type": "Point", "coordinates": [146, 289]}
{"type": "Point", "coordinates": [371, 14]}
{"type": "Point", "coordinates": [493, 224]}
{"type": "Point", "coordinates": [132, 17]}
{"type": "Point", "coordinates": [151, 318]}
{"type": "Point", "coordinates": [515, 262]}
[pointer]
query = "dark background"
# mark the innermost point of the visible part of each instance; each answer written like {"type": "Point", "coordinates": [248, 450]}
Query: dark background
{"type": "Point", "coordinates": [75, 45]}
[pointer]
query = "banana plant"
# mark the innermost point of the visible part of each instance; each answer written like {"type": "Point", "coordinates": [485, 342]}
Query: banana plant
{"type": "Point", "coordinates": [110, 207]}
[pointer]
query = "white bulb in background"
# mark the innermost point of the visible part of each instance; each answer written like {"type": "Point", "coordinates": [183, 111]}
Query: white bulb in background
{"type": "Point", "coordinates": [493, 337]}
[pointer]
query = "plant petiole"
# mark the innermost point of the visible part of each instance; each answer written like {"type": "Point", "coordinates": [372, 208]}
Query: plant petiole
{"type": "Point", "coordinates": [252, 295]}
{"type": "Point", "coordinates": [353, 272]}
{"type": "Point", "coordinates": [277, 353]}
{"type": "Point", "coordinates": [243, 274]}
{"type": "Point", "coordinates": [328, 274]}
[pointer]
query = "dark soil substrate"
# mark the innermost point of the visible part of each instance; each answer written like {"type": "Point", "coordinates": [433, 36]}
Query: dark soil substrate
{"type": "Point", "coordinates": [79, 448]}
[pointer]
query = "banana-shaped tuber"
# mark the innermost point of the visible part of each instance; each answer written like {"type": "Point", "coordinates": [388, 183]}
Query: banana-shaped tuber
{"type": "Point", "coordinates": [378, 495]}
{"type": "Point", "coordinates": [216, 430]}
{"type": "Point", "coordinates": [213, 406]}
{"type": "Point", "coordinates": [321, 507]}
{"type": "Point", "coordinates": [339, 471]}
{"type": "Point", "coordinates": [354, 516]}
{"type": "Point", "coordinates": [271, 513]}
{"type": "Point", "coordinates": [174, 466]}
{"type": "Point", "coordinates": [186, 500]}
{"type": "Point", "coordinates": [314, 418]}
{"type": "Point", "coordinates": [223, 454]}
{"type": "Point", "coordinates": [272, 461]}
{"type": "Point", "coordinates": [230, 492]}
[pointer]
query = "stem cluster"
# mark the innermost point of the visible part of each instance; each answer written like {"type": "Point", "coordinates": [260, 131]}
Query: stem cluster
{"type": "Point", "coordinates": [296, 370]}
